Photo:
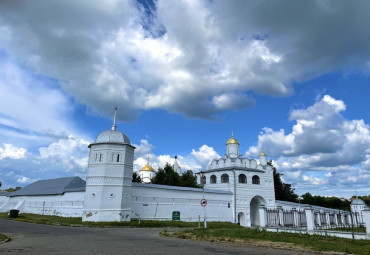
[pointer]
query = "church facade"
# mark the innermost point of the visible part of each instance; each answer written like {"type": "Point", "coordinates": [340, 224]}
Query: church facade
{"type": "Point", "coordinates": [235, 189]}
{"type": "Point", "coordinates": [251, 182]}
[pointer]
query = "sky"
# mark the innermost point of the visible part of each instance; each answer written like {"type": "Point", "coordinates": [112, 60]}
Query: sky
{"type": "Point", "coordinates": [290, 78]}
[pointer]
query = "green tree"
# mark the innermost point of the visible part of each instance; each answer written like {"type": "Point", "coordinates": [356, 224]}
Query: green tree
{"type": "Point", "coordinates": [283, 191]}
{"type": "Point", "coordinates": [330, 202]}
{"type": "Point", "coordinates": [188, 179]}
{"type": "Point", "coordinates": [168, 176]}
{"type": "Point", "coordinates": [136, 177]}
{"type": "Point", "coordinates": [13, 189]}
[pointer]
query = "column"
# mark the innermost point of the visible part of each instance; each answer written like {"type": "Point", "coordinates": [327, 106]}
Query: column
{"type": "Point", "coordinates": [310, 219]}
{"type": "Point", "coordinates": [263, 215]}
{"type": "Point", "coordinates": [281, 215]}
{"type": "Point", "coordinates": [295, 217]}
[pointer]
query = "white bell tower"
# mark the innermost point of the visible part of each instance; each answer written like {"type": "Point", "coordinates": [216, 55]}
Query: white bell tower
{"type": "Point", "coordinates": [109, 177]}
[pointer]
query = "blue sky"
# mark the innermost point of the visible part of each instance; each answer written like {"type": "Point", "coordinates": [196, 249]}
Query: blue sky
{"type": "Point", "coordinates": [291, 77]}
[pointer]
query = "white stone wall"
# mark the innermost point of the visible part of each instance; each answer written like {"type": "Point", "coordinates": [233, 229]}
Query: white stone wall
{"type": "Point", "coordinates": [3, 200]}
{"type": "Point", "coordinates": [69, 204]}
{"type": "Point", "coordinates": [157, 202]}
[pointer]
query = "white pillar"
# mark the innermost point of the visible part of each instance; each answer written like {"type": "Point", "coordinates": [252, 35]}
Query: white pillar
{"type": "Point", "coordinates": [310, 219]}
{"type": "Point", "coordinates": [327, 219]}
{"type": "Point", "coordinates": [281, 215]}
{"type": "Point", "coordinates": [263, 215]}
{"type": "Point", "coordinates": [295, 217]}
{"type": "Point", "coordinates": [366, 213]}
{"type": "Point", "coordinates": [336, 219]}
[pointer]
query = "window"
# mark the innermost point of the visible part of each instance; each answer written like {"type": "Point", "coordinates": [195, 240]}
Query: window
{"type": "Point", "coordinates": [203, 180]}
{"type": "Point", "coordinates": [225, 178]}
{"type": "Point", "coordinates": [118, 158]}
{"type": "Point", "coordinates": [242, 178]}
{"type": "Point", "coordinates": [100, 157]}
{"type": "Point", "coordinates": [213, 179]}
{"type": "Point", "coordinates": [255, 180]}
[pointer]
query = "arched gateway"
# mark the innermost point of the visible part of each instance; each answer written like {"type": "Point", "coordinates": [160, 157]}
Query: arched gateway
{"type": "Point", "coordinates": [254, 209]}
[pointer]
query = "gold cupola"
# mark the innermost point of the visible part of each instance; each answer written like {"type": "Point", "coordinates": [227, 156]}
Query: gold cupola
{"type": "Point", "coordinates": [147, 167]}
{"type": "Point", "coordinates": [232, 140]}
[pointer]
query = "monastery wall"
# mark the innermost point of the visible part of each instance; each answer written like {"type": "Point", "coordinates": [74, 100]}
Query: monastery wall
{"type": "Point", "coordinates": [70, 204]}
{"type": "Point", "coordinates": [157, 202]}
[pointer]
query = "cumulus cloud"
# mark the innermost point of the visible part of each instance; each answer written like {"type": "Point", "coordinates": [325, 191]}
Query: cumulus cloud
{"type": "Point", "coordinates": [196, 58]}
{"type": "Point", "coordinates": [322, 140]}
{"type": "Point", "coordinates": [33, 111]}
{"type": "Point", "coordinates": [195, 160]}
{"type": "Point", "coordinates": [205, 155]}
{"type": "Point", "coordinates": [72, 153]}
{"type": "Point", "coordinates": [10, 151]}
{"type": "Point", "coordinates": [64, 157]}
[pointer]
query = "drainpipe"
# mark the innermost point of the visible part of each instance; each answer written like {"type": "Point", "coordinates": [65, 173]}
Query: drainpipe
{"type": "Point", "coordinates": [234, 197]}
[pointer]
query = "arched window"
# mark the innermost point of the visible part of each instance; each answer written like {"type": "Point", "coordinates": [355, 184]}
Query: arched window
{"type": "Point", "coordinates": [203, 180]}
{"type": "Point", "coordinates": [213, 179]}
{"type": "Point", "coordinates": [225, 178]}
{"type": "Point", "coordinates": [242, 178]}
{"type": "Point", "coordinates": [255, 180]}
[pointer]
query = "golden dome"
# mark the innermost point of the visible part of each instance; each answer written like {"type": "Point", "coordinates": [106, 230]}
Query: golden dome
{"type": "Point", "coordinates": [232, 140]}
{"type": "Point", "coordinates": [262, 154]}
{"type": "Point", "coordinates": [147, 167]}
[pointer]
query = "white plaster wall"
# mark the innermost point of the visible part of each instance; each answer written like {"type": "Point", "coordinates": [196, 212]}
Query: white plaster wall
{"type": "Point", "coordinates": [245, 192]}
{"type": "Point", "coordinates": [159, 203]}
{"type": "Point", "coordinates": [3, 201]}
{"type": "Point", "coordinates": [69, 204]}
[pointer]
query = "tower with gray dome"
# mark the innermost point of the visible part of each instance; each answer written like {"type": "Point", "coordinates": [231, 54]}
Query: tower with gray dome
{"type": "Point", "coordinates": [109, 177]}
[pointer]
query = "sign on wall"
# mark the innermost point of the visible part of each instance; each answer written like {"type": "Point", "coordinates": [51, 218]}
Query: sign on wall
{"type": "Point", "coordinates": [175, 215]}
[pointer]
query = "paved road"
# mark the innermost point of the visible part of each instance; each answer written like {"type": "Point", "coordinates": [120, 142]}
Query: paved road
{"type": "Point", "coordinates": [28, 238]}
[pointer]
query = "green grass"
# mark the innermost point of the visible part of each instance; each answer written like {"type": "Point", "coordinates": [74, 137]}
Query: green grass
{"type": "Point", "coordinates": [64, 221]}
{"type": "Point", "coordinates": [314, 242]}
{"type": "Point", "coordinates": [3, 238]}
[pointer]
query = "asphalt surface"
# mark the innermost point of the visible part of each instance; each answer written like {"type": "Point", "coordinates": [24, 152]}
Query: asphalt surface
{"type": "Point", "coordinates": [29, 238]}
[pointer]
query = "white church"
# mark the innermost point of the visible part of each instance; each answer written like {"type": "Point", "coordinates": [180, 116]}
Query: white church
{"type": "Point", "coordinates": [235, 189]}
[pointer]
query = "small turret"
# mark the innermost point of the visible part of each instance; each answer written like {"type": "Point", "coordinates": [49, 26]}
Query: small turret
{"type": "Point", "coordinates": [176, 166]}
{"type": "Point", "coordinates": [147, 173]}
{"type": "Point", "coordinates": [232, 147]}
{"type": "Point", "coordinates": [263, 158]}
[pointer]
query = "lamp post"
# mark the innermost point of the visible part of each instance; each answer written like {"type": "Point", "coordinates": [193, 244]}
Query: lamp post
{"type": "Point", "coordinates": [204, 207]}
{"type": "Point", "coordinates": [299, 214]}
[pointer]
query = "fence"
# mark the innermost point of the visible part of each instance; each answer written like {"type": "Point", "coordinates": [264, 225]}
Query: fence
{"type": "Point", "coordinates": [286, 218]}
{"type": "Point", "coordinates": [322, 220]}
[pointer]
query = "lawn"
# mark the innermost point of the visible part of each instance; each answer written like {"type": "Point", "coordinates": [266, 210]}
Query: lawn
{"type": "Point", "coordinates": [264, 238]}
{"type": "Point", "coordinates": [77, 222]}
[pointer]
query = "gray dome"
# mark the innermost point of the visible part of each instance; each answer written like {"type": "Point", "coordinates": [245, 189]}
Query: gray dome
{"type": "Point", "coordinates": [112, 136]}
{"type": "Point", "coordinates": [358, 201]}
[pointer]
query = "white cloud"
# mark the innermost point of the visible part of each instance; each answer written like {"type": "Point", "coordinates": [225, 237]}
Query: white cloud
{"type": "Point", "coordinates": [23, 180]}
{"type": "Point", "coordinates": [10, 151]}
{"type": "Point", "coordinates": [314, 180]}
{"type": "Point", "coordinates": [322, 140]}
{"type": "Point", "coordinates": [191, 57]}
{"type": "Point", "coordinates": [205, 155]}
{"type": "Point", "coordinates": [195, 160]}
{"type": "Point", "coordinates": [72, 152]}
